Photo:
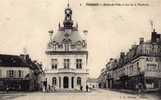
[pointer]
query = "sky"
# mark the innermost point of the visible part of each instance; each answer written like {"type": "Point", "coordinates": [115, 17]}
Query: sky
{"type": "Point", "coordinates": [111, 29]}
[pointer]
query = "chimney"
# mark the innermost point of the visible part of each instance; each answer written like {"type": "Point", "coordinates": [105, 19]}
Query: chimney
{"type": "Point", "coordinates": [25, 57]}
{"type": "Point", "coordinates": [141, 40]}
{"type": "Point", "coordinates": [111, 59]}
{"type": "Point", "coordinates": [122, 54]}
{"type": "Point", "coordinates": [153, 36]}
{"type": "Point", "coordinates": [133, 46]}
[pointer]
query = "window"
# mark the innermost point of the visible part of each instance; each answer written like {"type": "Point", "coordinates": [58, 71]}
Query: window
{"type": "Point", "coordinates": [157, 59]}
{"type": "Point", "coordinates": [149, 59]}
{"type": "Point", "coordinates": [10, 73]}
{"type": "Point", "coordinates": [20, 73]}
{"type": "Point", "coordinates": [66, 63]}
{"type": "Point", "coordinates": [152, 67]}
{"type": "Point", "coordinates": [54, 63]}
{"type": "Point", "coordinates": [79, 63]}
{"type": "Point", "coordinates": [78, 81]}
{"type": "Point", "coordinates": [137, 66]}
{"type": "Point", "coordinates": [54, 81]}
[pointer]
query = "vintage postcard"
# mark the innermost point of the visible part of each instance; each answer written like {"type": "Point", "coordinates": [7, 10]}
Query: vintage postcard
{"type": "Point", "coordinates": [80, 49]}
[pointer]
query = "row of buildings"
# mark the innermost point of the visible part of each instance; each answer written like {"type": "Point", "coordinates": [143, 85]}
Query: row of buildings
{"type": "Point", "coordinates": [139, 67]}
{"type": "Point", "coordinates": [65, 68]}
{"type": "Point", "coordinates": [20, 73]}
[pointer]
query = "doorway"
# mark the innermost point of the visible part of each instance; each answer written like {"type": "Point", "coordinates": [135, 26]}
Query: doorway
{"type": "Point", "coordinates": [65, 82]}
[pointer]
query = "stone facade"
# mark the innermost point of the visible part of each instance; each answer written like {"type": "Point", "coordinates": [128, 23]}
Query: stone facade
{"type": "Point", "coordinates": [140, 66]}
{"type": "Point", "coordinates": [19, 73]}
{"type": "Point", "coordinates": [67, 57]}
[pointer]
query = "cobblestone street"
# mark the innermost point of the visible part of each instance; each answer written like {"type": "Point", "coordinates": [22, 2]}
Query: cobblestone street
{"type": "Point", "coordinates": [98, 94]}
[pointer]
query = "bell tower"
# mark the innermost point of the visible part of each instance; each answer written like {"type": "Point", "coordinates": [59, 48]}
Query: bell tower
{"type": "Point", "coordinates": [68, 22]}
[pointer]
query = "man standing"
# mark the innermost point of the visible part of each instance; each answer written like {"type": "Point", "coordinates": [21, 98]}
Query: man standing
{"type": "Point", "coordinates": [81, 87]}
{"type": "Point", "coordinates": [87, 88]}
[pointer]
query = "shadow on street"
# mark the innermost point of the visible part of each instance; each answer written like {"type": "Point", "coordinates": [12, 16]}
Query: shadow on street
{"type": "Point", "coordinates": [10, 96]}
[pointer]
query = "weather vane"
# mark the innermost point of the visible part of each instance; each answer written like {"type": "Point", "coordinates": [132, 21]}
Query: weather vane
{"type": "Point", "coordinates": [152, 25]}
{"type": "Point", "coordinates": [68, 3]}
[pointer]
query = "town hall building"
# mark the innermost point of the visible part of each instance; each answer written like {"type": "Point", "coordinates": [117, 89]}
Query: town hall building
{"type": "Point", "coordinates": [67, 56]}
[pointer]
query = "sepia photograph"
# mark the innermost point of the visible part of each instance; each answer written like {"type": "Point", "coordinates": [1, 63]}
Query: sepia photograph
{"type": "Point", "coordinates": [80, 49]}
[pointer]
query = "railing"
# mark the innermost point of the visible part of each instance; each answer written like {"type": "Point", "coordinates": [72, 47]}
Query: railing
{"type": "Point", "coordinates": [63, 49]}
{"type": "Point", "coordinates": [67, 70]}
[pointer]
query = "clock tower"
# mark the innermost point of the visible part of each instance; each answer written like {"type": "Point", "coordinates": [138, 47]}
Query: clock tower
{"type": "Point", "coordinates": [67, 55]}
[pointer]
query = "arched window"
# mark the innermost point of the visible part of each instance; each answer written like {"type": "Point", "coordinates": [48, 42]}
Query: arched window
{"type": "Point", "coordinates": [54, 81]}
{"type": "Point", "coordinates": [78, 81]}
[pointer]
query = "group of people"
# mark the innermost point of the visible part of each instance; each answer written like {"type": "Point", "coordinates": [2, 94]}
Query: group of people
{"type": "Point", "coordinates": [48, 88]}
{"type": "Point", "coordinates": [87, 88]}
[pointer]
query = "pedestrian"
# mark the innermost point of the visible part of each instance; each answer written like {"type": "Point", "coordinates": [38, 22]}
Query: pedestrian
{"type": "Point", "coordinates": [54, 89]}
{"type": "Point", "coordinates": [87, 88]}
{"type": "Point", "coordinates": [49, 88]}
{"type": "Point", "coordinates": [81, 88]}
{"type": "Point", "coordinates": [7, 88]}
{"type": "Point", "coordinates": [137, 88]}
{"type": "Point", "coordinates": [140, 86]}
{"type": "Point", "coordinates": [45, 85]}
{"type": "Point", "coordinates": [43, 88]}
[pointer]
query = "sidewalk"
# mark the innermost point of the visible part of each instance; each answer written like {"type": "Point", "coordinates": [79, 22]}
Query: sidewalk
{"type": "Point", "coordinates": [121, 90]}
{"type": "Point", "coordinates": [17, 92]}
{"type": "Point", "coordinates": [67, 91]}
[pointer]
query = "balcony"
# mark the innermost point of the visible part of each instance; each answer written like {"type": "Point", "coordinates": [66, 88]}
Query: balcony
{"type": "Point", "coordinates": [68, 70]}
{"type": "Point", "coordinates": [71, 70]}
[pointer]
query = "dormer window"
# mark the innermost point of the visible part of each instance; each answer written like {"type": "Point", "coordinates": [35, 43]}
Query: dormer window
{"type": "Point", "coordinates": [84, 44]}
{"type": "Point", "coordinates": [72, 46]}
{"type": "Point", "coordinates": [13, 60]}
{"type": "Point", "coordinates": [79, 45]}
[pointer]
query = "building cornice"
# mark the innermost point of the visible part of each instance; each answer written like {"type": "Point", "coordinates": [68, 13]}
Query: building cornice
{"type": "Point", "coordinates": [66, 52]}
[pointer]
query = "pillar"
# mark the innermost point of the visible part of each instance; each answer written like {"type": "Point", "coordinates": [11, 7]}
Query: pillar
{"type": "Point", "coordinates": [75, 82]}
{"type": "Point", "coordinates": [59, 82]}
{"type": "Point", "coordinates": [70, 82]}
{"type": "Point", "coordinates": [62, 82]}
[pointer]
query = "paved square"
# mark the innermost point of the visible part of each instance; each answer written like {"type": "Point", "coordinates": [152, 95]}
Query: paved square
{"type": "Point", "coordinates": [94, 95]}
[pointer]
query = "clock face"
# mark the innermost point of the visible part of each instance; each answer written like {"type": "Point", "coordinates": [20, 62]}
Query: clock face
{"type": "Point", "coordinates": [68, 11]}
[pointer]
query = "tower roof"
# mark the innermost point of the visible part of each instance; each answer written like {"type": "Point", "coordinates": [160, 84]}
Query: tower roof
{"type": "Point", "coordinates": [73, 36]}
{"type": "Point", "coordinates": [68, 33]}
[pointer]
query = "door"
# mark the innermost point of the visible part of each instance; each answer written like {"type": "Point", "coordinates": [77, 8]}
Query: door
{"type": "Point", "coordinates": [65, 82]}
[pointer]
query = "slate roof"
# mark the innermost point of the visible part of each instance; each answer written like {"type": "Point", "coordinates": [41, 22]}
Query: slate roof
{"type": "Point", "coordinates": [68, 29]}
{"type": "Point", "coordinates": [12, 61]}
{"type": "Point", "coordinates": [74, 36]}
